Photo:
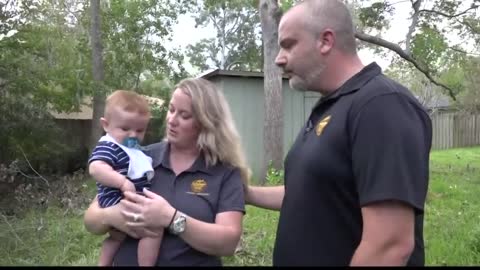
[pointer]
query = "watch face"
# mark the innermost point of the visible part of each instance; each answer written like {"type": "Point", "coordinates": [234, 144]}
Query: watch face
{"type": "Point", "coordinates": [178, 225]}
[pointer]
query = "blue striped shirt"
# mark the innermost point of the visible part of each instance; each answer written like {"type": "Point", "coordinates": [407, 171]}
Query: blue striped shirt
{"type": "Point", "coordinates": [113, 155]}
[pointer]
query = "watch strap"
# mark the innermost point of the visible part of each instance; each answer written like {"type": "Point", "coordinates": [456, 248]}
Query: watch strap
{"type": "Point", "coordinates": [173, 218]}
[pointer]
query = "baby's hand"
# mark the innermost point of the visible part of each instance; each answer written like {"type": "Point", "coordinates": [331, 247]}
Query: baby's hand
{"type": "Point", "coordinates": [127, 186]}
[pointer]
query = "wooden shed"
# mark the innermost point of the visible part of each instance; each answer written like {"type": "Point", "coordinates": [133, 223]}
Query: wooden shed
{"type": "Point", "coordinates": [244, 92]}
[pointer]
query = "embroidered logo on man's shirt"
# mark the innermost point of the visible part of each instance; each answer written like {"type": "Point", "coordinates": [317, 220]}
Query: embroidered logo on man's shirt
{"type": "Point", "coordinates": [321, 125]}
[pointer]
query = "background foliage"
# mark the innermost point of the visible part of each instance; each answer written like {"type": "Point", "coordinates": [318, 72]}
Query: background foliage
{"type": "Point", "coordinates": [46, 66]}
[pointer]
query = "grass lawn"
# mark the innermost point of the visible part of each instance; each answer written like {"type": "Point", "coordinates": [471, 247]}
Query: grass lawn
{"type": "Point", "coordinates": [452, 222]}
{"type": "Point", "coordinates": [56, 236]}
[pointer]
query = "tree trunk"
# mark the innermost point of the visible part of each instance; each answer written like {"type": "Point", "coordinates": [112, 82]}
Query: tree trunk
{"type": "Point", "coordinates": [98, 102]}
{"type": "Point", "coordinates": [270, 14]}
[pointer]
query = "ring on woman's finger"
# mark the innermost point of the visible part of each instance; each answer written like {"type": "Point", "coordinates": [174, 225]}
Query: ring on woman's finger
{"type": "Point", "coordinates": [136, 217]}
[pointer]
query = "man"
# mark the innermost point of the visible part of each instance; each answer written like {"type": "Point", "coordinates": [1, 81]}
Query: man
{"type": "Point", "coordinates": [356, 177]}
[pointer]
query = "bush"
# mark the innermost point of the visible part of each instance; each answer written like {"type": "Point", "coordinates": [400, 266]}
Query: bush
{"type": "Point", "coordinates": [275, 177]}
{"type": "Point", "coordinates": [30, 136]}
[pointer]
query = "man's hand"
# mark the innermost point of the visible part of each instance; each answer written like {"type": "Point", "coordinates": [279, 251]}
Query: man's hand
{"type": "Point", "coordinates": [265, 197]}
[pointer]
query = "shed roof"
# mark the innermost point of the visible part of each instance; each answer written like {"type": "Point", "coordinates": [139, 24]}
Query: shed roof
{"type": "Point", "coordinates": [231, 73]}
{"type": "Point", "coordinates": [86, 109]}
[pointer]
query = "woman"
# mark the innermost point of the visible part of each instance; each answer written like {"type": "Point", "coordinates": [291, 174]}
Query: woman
{"type": "Point", "coordinates": [197, 193]}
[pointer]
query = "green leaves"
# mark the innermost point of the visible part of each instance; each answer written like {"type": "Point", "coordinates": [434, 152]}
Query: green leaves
{"type": "Point", "coordinates": [428, 45]}
{"type": "Point", "coordinates": [47, 64]}
{"type": "Point", "coordinates": [286, 4]}
{"type": "Point", "coordinates": [134, 33]}
{"type": "Point", "coordinates": [237, 44]}
{"type": "Point", "coordinates": [375, 16]}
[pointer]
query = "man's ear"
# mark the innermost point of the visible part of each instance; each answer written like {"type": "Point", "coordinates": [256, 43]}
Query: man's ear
{"type": "Point", "coordinates": [326, 40]}
{"type": "Point", "coordinates": [104, 123]}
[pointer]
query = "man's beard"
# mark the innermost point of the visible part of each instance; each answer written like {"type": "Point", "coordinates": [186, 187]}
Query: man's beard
{"type": "Point", "coordinates": [306, 84]}
{"type": "Point", "coordinates": [298, 84]}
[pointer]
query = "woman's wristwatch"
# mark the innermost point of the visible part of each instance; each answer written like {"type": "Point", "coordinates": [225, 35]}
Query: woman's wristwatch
{"type": "Point", "coordinates": [178, 224]}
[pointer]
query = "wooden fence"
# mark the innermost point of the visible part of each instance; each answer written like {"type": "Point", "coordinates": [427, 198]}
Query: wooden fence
{"type": "Point", "coordinates": [450, 130]}
{"type": "Point", "coordinates": [455, 129]}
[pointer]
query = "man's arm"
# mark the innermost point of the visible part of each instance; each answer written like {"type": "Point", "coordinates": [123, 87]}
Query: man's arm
{"type": "Point", "coordinates": [265, 197]}
{"type": "Point", "coordinates": [388, 236]}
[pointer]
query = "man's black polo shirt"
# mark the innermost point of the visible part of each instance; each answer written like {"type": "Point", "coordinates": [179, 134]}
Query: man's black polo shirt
{"type": "Point", "coordinates": [368, 141]}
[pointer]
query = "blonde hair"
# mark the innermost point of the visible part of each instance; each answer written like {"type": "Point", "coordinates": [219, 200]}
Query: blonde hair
{"type": "Point", "coordinates": [218, 140]}
{"type": "Point", "coordinates": [128, 101]}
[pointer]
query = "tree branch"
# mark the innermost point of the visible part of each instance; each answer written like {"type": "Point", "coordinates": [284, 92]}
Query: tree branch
{"type": "Point", "coordinates": [224, 37]}
{"type": "Point", "coordinates": [73, 13]}
{"type": "Point", "coordinates": [394, 47]}
{"type": "Point", "coordinates": [30, 165]}
{"type": "Point", "coordinates": [415, 16]}
{"type": "Point", "coordinates": [396, 3]}
{"type": "Point", "coordinates": [231, 65]}
{"type": "Point", "coordinates": [137, 80]}
{"type": "Point", "coordinates": [471, 27]}
{"type": "Point", "coordinates": [462, 51]}
{"type": "Point", "coordinates": [213, 18]}
{"type": "Point", "coordinates": [234, 27]}
{"type": "Point", "coordinates": [448, 15]}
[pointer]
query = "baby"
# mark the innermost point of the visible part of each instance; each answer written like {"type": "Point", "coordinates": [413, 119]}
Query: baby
{"type": "Point", "coordinates": [118, 165]}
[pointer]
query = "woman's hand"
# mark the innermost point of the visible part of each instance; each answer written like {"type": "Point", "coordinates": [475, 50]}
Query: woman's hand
{"type": "Point", "coordinates": [99, 220]}
{"type": "Point", "coordinates": [147, 214]}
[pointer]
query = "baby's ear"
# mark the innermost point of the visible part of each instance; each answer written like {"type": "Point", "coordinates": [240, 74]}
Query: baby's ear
{"type": "Point", "coordinates": [104, 123]}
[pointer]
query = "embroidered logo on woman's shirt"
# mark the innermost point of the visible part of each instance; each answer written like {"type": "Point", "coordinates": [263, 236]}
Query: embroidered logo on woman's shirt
{"type": "Point", "coordinates": [198, 187]}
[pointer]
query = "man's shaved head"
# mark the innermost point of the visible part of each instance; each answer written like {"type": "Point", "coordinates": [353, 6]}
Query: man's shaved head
{"type": "Point", "coordinates": [317, 15]}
